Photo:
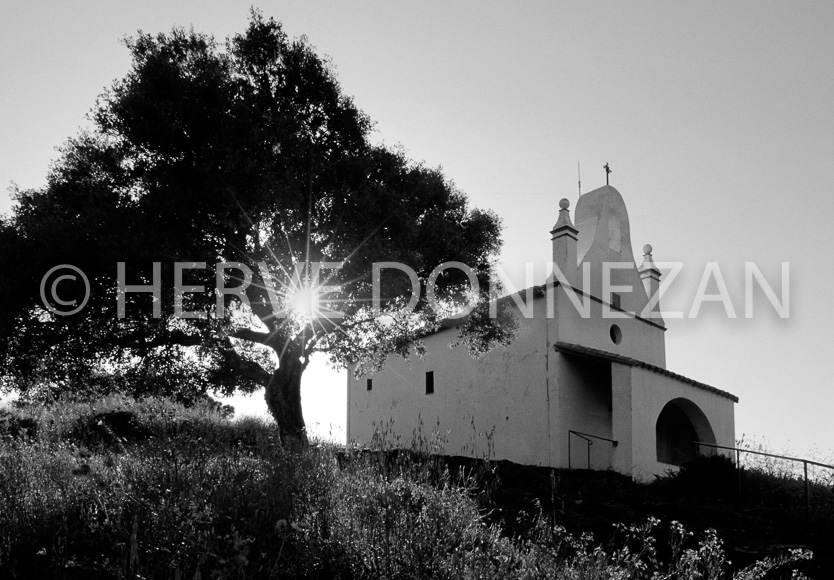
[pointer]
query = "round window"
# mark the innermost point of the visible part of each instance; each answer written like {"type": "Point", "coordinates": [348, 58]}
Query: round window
{"type": "Point", "coordinates": [616, 334]}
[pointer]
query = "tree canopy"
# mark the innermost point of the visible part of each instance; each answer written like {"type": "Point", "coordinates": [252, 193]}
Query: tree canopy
{"type": "Point", "coordinates": [249, 155]}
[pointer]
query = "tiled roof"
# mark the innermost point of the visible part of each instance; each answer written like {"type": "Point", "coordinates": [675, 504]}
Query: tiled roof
{"type": "Point", "coordinates": [539, 291]}
{"type": "Point", "coordinates": [589, 352]}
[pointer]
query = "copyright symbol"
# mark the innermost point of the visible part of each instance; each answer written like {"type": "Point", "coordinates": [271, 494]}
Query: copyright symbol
{"type": "Point", "coordinates": [60, 305]}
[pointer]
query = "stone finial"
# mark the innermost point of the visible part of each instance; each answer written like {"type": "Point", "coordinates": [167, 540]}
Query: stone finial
{"type": "Point", "coordinates": [564, 237]}
{"type": "Point", "coordinates": [564, 219]}
{"type": "Point", "coordinates": [650, 275]}
{"type": "Point", "coordinates": [648, 264]}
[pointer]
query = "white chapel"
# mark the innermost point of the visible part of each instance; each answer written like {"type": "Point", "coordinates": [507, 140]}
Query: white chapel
{"type": "Point", "coordinates": [584, 384]}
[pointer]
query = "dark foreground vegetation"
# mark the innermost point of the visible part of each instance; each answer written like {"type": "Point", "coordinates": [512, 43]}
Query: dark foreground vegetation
{"type": "Point", "coordinates": [148, 489]}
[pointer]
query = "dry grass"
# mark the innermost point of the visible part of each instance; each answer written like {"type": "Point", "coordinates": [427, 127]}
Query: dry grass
{"type": "Point", "coordinates": [148, 489]}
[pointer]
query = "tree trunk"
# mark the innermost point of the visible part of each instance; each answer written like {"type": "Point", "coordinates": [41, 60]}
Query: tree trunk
{"type": "Point", "coordinates": [283, 398]}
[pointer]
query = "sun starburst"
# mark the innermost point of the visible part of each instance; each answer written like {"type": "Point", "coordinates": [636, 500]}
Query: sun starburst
{"type": "Point", "coordinates": [303, 301]}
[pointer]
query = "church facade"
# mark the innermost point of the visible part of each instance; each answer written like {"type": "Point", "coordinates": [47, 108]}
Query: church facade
{"type": "Point", "coordinates": [584, 384]}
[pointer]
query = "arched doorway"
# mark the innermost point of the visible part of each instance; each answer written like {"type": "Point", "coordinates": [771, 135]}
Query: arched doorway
{"type": "Point", "coordinates": [679, 425]}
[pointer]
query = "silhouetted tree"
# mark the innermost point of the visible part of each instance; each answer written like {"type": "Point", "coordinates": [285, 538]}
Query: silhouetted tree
{"type": "Point", "coordinates": [248, 153]}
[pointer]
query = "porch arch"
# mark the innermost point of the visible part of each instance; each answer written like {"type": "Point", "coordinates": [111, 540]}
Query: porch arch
{"type": "Point", "coordinates": [679, 424]}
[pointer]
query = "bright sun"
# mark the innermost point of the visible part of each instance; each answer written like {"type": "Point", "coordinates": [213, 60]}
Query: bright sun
{"type": "Point", "coordinates": [305, 302]}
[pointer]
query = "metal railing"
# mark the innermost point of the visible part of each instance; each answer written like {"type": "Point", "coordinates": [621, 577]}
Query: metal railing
{"type": "Point", "coordinates": [588, 438]}
{"type": "Point", "coordinates": [805, 463]}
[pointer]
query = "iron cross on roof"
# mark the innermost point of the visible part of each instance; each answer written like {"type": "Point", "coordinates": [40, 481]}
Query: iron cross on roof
{"type": "Point", "coordinates": [607, 172]}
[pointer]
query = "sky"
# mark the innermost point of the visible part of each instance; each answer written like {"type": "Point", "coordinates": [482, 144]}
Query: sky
{"type": "Point", "coordinates": [715, 118]}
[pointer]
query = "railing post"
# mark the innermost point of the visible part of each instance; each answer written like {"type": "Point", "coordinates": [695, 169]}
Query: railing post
{"type": "Point", "coordinates": [569, 434]}
{"type": "Point", "coordinates": [588, 443]}
{"type": "Point", "coordinates": [807, 499]}
{"type": "Point", "coordinates": [589, 453]}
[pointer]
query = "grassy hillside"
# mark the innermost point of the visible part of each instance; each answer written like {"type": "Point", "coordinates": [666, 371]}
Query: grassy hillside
{"type": "Point", "coordinates": [147, 489]}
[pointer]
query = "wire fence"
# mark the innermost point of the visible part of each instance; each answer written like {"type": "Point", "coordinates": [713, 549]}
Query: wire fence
{"type": "Point", "coordinates": [799, 473]}
{"type": "Point", "coordinates": [806, 472]}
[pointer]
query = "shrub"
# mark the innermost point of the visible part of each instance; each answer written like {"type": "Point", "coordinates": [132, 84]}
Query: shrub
{"type": "Point", "coordinates": [712, 477]}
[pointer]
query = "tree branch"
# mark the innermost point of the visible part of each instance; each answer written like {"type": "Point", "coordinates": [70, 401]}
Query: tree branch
{"type": "Point", "coordinates": [250, 369]}
{"type": "Point", "coordinates": [252, 335]}
{"type": "Point", "coordinates": [139, 340]}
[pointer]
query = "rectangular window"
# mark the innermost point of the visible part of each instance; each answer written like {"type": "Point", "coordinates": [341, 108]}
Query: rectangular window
{"type": "Point", "coordinates": [370, 384]}
{"type": "Point", "coordinates": [615, 300]}
{"type": "Point", "coordinates": [429, 382]}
